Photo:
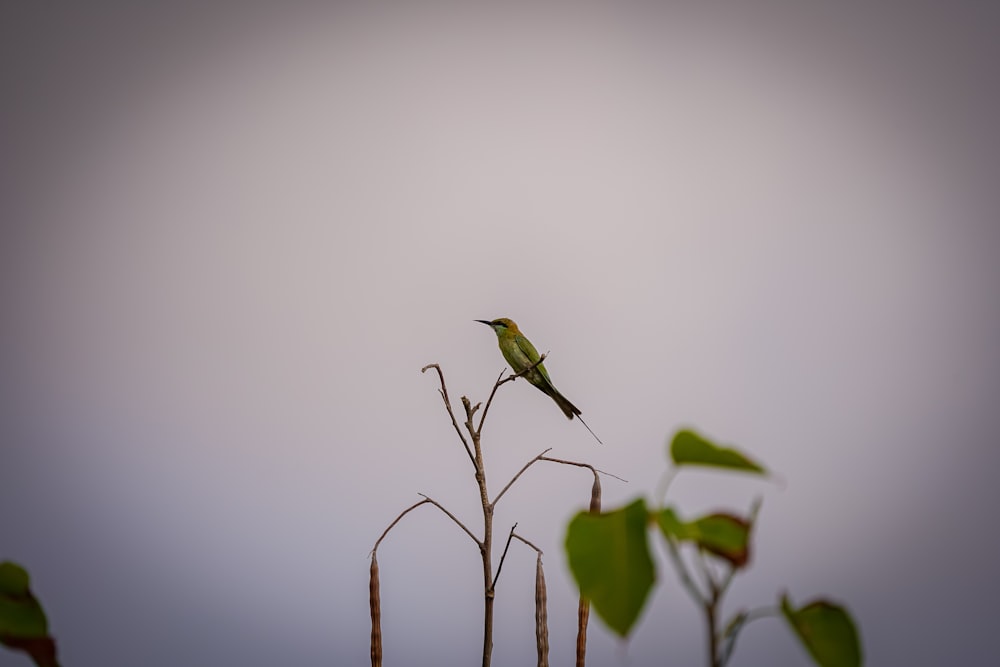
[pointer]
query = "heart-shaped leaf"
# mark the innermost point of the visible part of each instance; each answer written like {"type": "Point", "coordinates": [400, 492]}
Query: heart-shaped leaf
{"type": "Point", "coordinates": [610, 561]}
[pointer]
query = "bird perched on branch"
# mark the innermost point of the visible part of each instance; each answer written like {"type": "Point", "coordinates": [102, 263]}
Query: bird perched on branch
{"type": "Point", "coordinates": [524, 358]}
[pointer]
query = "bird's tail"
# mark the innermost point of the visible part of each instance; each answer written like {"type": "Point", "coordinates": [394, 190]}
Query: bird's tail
{"type": "Point", "coordinates": [568, 408]}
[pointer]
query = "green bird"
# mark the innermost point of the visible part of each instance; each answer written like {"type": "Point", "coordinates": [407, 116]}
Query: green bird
{"type": "Point", "coordinates": [522, 355]}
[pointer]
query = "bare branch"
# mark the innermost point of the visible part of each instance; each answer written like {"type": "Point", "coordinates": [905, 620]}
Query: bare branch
{"type": "Point", "coordinates": [470, 410]}
{"type": "Point", "coordinates": [514, 478]}
{"type": "Point", "coordinates": [509, 378]}
{"type": "Point", "coordinates": [452, 517]}
{"type": "Point", "coordinates": [391, 525]}
{"type": "Point", "coordinates": [527, 542]}
{"type": "Point", "coordinates": [447, 403]}
{"type": "Point", "coordinates": [489, 401]}
{"type": "Point", "coordinates": [582, 465]}
{"type": "Point", "coordinates": [542, 457]}
{"type": "Point", "coordinates": [507, 546]}
{"type": "Point", "coordinates": [503, 556]}
{"type": "Point", "coordinates": [414, 506]}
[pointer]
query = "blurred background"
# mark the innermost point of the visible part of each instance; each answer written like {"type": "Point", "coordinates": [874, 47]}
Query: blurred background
{"type": "Point", "coordinates": [233, 233]}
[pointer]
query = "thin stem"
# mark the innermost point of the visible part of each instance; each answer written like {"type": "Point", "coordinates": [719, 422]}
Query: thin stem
{"type": "Point", "coordinates": [711, 609]}
{"type": "Point", "coordinates": [453, 518]}
{"type": "Point", "coordinates": [729, 635]}
{"type": "Point", "coordinates": [762, 612]}
{"type": "Point", "coordinates": [489, 401]}
{"type": "Point", "coordinates": [519, 473]}
{"type": "Point", "coordinates": [664, 484]}
{"type": "Point", "coordinates": [726, 580]}
{"type": "Point", "coordinates": [447, 403]}
{"type": "Point", "coordinates": [683, 573]}
{"type": "Point", "coordinates": [470, 411]}
{"type": "Point", "coordinates": [542, 457]}
{"type": "Point", "coordinates": [736, 624]}
{"type": "Point", "coordinates": [710, 618]}
{"type": "Point", "coordinates": [528, 543]}
{"type": "Point", "coordinates": [496, 385]}
{"type": "Point", "coordinates": [583, 465]}
{"type": "Point", "coordinates": [486, 546]}
{"type": "Point", "coordinates": [710, 580]}
{"type": "Point", "coordinates": [496, 577]}
{"type": "Point", "coordinates": [397, 519]}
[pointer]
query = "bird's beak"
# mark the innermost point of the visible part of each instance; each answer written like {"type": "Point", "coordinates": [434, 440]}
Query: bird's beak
{"type": "Point", "coordinates": [486, 322]}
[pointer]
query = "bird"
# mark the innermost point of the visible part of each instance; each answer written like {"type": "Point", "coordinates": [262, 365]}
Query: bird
{"type": "Point", "coordinates": [524, 358]}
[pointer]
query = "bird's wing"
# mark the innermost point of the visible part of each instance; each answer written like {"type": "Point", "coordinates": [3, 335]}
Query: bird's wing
{"type": "Point", "coordinates": [526, 347]}
{"type": "Point", "coordinates": [529, 351]}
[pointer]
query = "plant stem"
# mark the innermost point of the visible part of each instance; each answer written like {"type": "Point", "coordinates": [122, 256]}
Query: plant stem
{"type": "Point", "coordinates": [486, 546]}
{"type": "Point", "coordinates": [486, 549]}
{"type": "Point", "coordinates": [713, 645]}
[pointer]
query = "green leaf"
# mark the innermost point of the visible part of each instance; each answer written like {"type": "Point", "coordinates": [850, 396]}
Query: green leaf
{"type": "Point", "coordinates": [20, 613]}
{"type": "Point", "coordinates": [23, 626]}
{"type": "Point", "coordinates": [689, 448]}
{"type": "Point", "coordinates": [14, 579]}
{"type": "Point", "coordinates": [671, 525]}
{"type": "Point", "coordinates": [827, 631]}
{"type": "Point", "coordinates": [609, 558]}
{"type": "Point", "coordinates": [724, 535]}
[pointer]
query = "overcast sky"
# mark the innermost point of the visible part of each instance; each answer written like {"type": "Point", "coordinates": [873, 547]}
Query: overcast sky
{"type": "Point", "coordinates": [232, 236]}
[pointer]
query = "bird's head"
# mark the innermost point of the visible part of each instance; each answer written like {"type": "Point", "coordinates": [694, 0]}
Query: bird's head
{"type": "Point", "coordinates": [501, 325]}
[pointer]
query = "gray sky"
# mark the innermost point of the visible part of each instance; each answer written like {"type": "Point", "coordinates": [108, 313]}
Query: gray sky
{"type": "Point", "coordinates": [232, 236]}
